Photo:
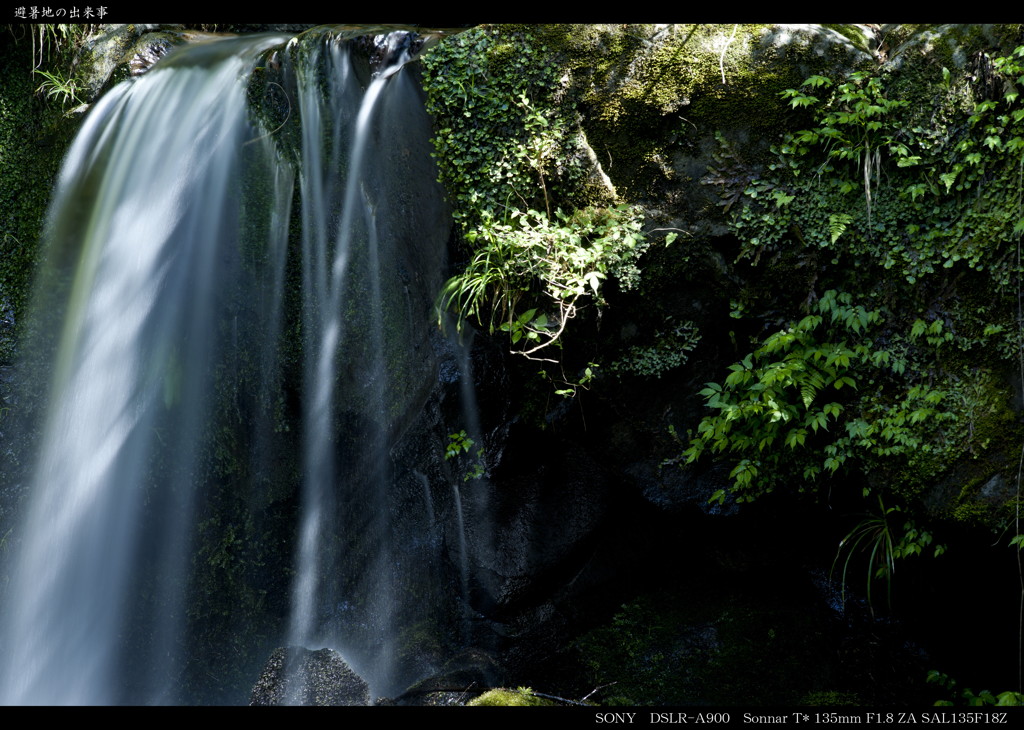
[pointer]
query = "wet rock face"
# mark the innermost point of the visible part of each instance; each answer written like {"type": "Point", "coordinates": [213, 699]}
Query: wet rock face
{"type": "Point", "coordinates": [298, 676]}
{"type": "Point", "coordinates": [460, 678]}
{"type": "Point", "coordinates": [148, 53]}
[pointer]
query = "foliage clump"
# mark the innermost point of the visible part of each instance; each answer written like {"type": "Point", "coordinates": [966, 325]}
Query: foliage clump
{"type": "Point", "coordinates": [874, 197]}
{"type": "Point", "coordinates": [554, 265]}
{"type": "Point", "coordinates": [496, 131]}
{"type": "Point", "coordinates": [874, 180]}
{"type": "Point", "coordinates": [792, 406]}
{"type": "Point", "coordinates": [968, 697]}
{"type": "Point", "coordinates": [668, 352]}
{"type": "Point", "coordinates": [510, 159]}
{"type": "Point", "coordinates": [881, 371]}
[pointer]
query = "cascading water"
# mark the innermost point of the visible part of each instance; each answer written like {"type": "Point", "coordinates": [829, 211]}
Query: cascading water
{"type": "Point", "coordinates": [326, 323]}
{"type": "Point", "coordinates": [131, 370]}
{"type": "Point", "coordinates": [163, 469]}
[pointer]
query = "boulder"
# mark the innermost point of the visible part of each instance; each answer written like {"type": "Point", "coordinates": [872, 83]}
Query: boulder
{"type": "Point", "coordinates": [299, 676]}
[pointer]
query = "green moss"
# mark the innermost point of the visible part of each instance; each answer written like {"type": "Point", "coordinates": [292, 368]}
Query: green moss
{"type": "Point", "coordinates": [521, 697]}
{"type": "Point", "coordinates": [853, 33]}
{"type": "Point", "coordinates": [33, 138]}
{"type": "Point", "coordinates": [971, 514]}
{"type": "Point", "coordinates": [650, 93]}
{"type": "Point", "coordinates": [950, 45]}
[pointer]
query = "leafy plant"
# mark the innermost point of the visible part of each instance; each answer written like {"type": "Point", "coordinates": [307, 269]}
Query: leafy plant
{"type": "Point", "coordinates": [852, 127]}
{"type": "Point", "coordinates": [553, 265]}
{"type": "Point", "coordinates": [796, 390]}
{"type": "Point", "coordinates": [495, 130]}
{"type": "Point", "coordinates": [876, 536]}
{"type": "Point", "coordinates": [968, 697]}
{"type": "Point", "coordinates": [511, 162]}
{"type": "Point", "coordinates": [912, 187]}
{"type": "Point", "coordinates": [459, 443]}
{"type": "Point", "coordinates": [907, 200]}
{"type": "Point", "coordinates": [669, 351]}
{"type": "Point", "coordinates": [64, 40]}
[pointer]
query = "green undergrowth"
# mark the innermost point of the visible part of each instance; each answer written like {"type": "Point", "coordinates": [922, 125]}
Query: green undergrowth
{"type": "Point", "coordinates": [966, 696]}
{"type": "Point", "coordinates": [707, 644]}
{"type": "Point", "coordinates": [883, 369]}
{"type": "Point", "coordinates": [916, 210]}
{"type": "Point", "coordinates": [823, 395]}
{"type": "Point", "coordinates": [548, 136]}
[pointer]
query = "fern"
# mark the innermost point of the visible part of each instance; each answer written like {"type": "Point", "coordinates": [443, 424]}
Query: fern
{"type": "Point", "coordinates": [837, 223]}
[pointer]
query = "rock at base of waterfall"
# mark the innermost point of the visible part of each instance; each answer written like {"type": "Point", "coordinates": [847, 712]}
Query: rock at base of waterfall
{"type": "Point", "coordinates": [299, 676]}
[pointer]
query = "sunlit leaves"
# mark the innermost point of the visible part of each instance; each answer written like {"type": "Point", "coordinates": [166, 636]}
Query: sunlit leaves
{"type": "Point", "coordinates": [530, 259]}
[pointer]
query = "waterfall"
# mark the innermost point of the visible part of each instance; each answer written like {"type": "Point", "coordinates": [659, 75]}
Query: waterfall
{"type": "Point", "coordinates": [164, 468]}
{"type": "Point", "coordinates": [326, 320]}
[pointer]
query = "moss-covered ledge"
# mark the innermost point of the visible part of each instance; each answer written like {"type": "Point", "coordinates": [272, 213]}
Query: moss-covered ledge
{"type": "Point", "coordinates": [651, 98]}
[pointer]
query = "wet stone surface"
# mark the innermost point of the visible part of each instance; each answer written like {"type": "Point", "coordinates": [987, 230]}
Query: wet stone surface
{"type": "Point", "coordinates": [297, 676]}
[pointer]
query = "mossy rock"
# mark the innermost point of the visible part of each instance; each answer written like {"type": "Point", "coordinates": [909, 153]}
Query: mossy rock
{"type": "Point", "coordinates": [34, 135]}
{"type": "Point", "coordinates": [649, 99]}
{"type": "Point", "coordinates": [501, 697]}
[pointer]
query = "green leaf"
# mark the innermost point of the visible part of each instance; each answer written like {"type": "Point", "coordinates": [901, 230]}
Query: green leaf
{"type": "Point", "coordinates": [781, 198]}
{"type": "Point", "coordinates": [817, 81]}
{"type": "Point", "coordinates": [796, 437]}
{"type": "Point", "coordinates": [710, 390]}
